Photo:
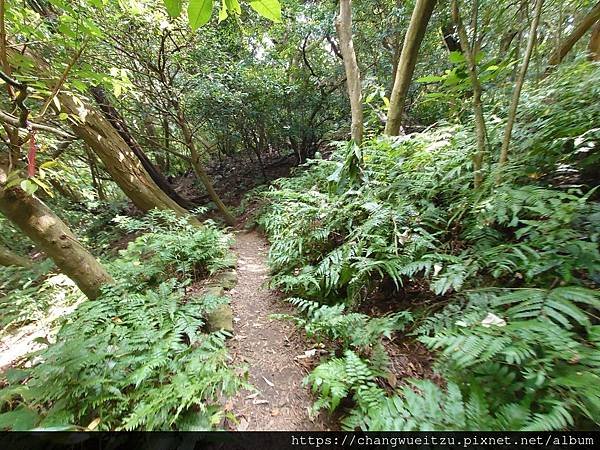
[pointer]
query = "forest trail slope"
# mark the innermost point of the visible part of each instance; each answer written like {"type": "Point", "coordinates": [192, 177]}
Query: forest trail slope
{"type": "Point", "coordinates": [268, 347]}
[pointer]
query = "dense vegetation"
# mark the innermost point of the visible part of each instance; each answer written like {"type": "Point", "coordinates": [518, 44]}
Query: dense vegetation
{"type": "Point", "coordinates": [501, 278]}
{"type": "Point", "coordinates": [445, 201]}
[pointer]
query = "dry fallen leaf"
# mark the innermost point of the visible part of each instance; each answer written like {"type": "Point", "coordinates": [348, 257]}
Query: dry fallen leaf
{"type": "Point", "coordinates": [391, 378]}
{"type": "Point", "coordinates": [268, 382]}
{"type": "Point", "coordinates": [243, 425]}
{"type": "Point", "coordinates": [94, 423]}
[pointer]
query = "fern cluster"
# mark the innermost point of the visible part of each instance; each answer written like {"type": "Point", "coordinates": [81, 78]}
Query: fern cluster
{"type": "Point", "coordinates": [170, 247]}
{"type": "Point", "coordinates": [137, 357]}
{"type": "Point", "coordinates": [516, 264]}
{"type": "Point", "coordinates": [353, 330]}
{"type": "Point", "coordinates": [29, 295]}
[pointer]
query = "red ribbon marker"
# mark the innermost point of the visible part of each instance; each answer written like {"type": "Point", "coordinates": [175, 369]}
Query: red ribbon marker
{"type": "Point", "coordinates": [31, 154]}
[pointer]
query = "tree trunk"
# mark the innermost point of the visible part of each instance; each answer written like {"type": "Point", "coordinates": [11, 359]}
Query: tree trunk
{"type": "Point", "coordinates": [406, 66]}
{"type": "Point", "coordinates": [567, 44]}
{"type": "Point", "coordinates": [343, 26]}
{"type": "Point", "coordinates": [104, 140]}
{"type": "Point", "coordinates": [480, 130]}
{"type": "Point", "coordinates": [512, 112]}
{"type": "Point", "coordinates": [117, 121]}
{"type": "Point", "coordinates": [53, 237]}
{"type": "Point", "coordinates": [119, 159]}
{"type": "Point", "coordinates": [594, 45]}
{"type": "Point", "coordinates": [8, 258]}
{"type": "Point", "coordinates": [197, 165]}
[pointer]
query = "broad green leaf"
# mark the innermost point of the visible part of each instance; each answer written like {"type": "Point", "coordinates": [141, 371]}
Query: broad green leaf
{"type": "Point", "coordinates": [270, 9]}
{"type": "Point", "coordinates": [199, 12]}
{"type": "Point", "coordinates": [233, 6]}
{"type": "Point", "coordinates": [456, 57]}
{"type": "Point", "coordinates": [174, 7]}
{"type": "Point", "coordinates": [430, 79]}
{"type": "Point", "coordinates": [223, 12]}
{"type": "Point", "coordinates": [29, 186]}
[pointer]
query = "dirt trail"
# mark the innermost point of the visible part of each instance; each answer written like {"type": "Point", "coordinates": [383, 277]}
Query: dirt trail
{"type": "Point", "coordinates": [269, 348]}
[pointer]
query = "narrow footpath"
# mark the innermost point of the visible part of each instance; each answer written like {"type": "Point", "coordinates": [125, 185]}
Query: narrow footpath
{"type": "Point", "coordinates": [273, 350]}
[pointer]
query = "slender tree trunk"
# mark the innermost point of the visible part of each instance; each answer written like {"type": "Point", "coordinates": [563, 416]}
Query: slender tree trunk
{"type": "Point", "coordinates": [117, 121]}
{"type": "Point", "coordinates": [594, 45]}
{"type": "Point", "coordinates": [408, 61]}
{"type": "Point", "coordinates": [480, 130]}
{"type": "Point", "coordinates": [343, 26]}
{"type": "Point", "coordinates": [96, 182]}
{"type": "Point", "coordinates": [9, 258]}
{"type": "Point", "coordinates": [514, 104]}
{"type": "Point", "coordinates": [567, 44]}
{"type": "Point", "coordinates": [119, 159]}
{"type": "Point", "coordinates": [517, 53]}
{"type": "Point", "coordinates": [199, 169]}
{"type": "Point", "coordinates": [53, 237]}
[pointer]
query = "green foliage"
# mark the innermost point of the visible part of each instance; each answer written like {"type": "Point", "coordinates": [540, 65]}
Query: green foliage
{"type": "Point", "coordinates": [354, 375]}
{"type": "Point", "coordinates": [133, 361]}
{"type": "Point", "coordinates": [33, 294]}
{"type": "Point", "coordinates": [170, 248]}
{"type": "Point", "coordinates": [512, 269]}
{"type": "Point", "coordinates": [137, 357]}
{"type": "Point", "coordinates": [532, 354]}
{"type": "Point", "coordinates": [339, 377]}
{"type": "Point", "coordinates": [332, 245]}
{"type": "Point", "coordinates": [353, 330]}
{"type": "Point", "coordinates": [424, 406]}
{"type": "Point", "coordinates": [200, 11]}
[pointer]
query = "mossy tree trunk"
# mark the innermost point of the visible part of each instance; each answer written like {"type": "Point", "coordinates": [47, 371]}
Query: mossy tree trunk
{"type": "Point", "coordinates": [118, 122]}
{"type": "Point", "coordinates": [51, 235]}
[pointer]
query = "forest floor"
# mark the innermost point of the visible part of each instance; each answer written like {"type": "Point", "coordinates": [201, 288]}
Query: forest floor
{"type": "Point", "coordinates": [276, 354]}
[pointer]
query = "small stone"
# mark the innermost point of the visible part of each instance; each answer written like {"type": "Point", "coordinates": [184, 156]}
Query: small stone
{"type": "Point", "coordinates": [221, 318]}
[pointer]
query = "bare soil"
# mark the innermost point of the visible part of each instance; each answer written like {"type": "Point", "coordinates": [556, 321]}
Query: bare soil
{"type": "Point", "coordinates": [273, 351]}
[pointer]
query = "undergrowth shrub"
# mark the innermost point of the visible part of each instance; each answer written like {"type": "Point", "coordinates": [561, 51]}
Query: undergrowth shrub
{"type": "Point", "coordinates": [138, 356]}
{"type": "Point", "coordinates": [512, 269]}
{"type": "Point", "coordinates": [29, 295]}
{"type": "Point", "coordinates": [170, 247]}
